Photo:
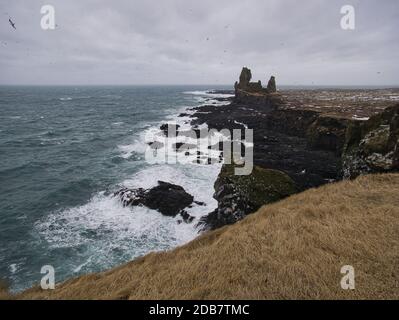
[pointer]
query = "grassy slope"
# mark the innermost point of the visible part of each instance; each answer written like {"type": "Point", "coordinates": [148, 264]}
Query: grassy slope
{"type": "Point", "coordinates": [291, 249]}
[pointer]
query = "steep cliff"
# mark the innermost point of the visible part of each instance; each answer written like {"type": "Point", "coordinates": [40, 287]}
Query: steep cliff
{"type": "Point", "coordinates": [372, 146]}
{"type": "Point", "coordinates": [240, 195]}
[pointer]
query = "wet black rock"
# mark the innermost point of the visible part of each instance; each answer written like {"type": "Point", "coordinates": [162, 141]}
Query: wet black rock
{"type": "Point", "coordinates": [156, 145]}
{"type": "Point", "coordinates": [180, 146]}
{"type": "Point", "coordinates": [166, 127]}
{"type": "Point", "coordinates": [186, 217]}
{"type": "Point", "coordinates": [167, 198]}
{"type": "Point", "coordinates": [194, 133]}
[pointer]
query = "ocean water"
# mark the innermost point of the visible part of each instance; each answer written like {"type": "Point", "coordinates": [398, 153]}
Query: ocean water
{"type": "Point", "coordinates": [63, 152]}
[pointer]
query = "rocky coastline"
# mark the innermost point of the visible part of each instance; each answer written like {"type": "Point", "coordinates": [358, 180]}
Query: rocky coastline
{"type": "Point", "coordinates": [298, 143]}
{"type": "Point", "coordinates": [304, 146]}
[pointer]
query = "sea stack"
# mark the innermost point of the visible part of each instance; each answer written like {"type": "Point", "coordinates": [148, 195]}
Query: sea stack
{"type": "Point", "coordinates": [246, 85]}
{"type": "Point", "coordinates": [271, 85]}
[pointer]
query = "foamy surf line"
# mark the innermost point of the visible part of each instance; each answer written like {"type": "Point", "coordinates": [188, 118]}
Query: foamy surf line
{"type": "Point", "coordinates": [209, 97]}
{"type": "Point", "coordinates": [108, 234]}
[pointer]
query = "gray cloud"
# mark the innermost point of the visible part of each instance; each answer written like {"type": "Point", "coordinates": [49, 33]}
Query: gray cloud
{"type": "Point", "coordinates": [185, 41]}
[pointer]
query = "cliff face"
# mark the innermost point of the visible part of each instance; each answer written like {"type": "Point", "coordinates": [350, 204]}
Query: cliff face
{"type": "Point", "coordinates": [372, 146]}
{"type": "Point", "coordinates": [263, 101]}
{"type": "Point", "coordinates": [327, 133]}
{"type": "Point", "coordinates": [239, 196]}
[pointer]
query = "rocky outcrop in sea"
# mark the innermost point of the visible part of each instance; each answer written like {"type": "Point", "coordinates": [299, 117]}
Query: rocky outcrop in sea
{"type": "Point", "coordinates": [169, 199]}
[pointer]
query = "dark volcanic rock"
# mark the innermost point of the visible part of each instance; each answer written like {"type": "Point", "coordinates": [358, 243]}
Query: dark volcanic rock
{"type": "Point", "coordinates": [194, 133]}
{"type": "Point", "coordinates": [284, 139]}
{"type": "Point", "coordinates": [186, 217]}
{"type": "Point", "coordinates": [271, 85]}
{"type": "Point", "coordinates": [327, 133]}
{"type": "Point", "coordinates": [245, 83]}
{"type": "Point", "coordinates": [167, 198]}
{"type": "Point", "coordinates": [245, 78]}
{"type": "Point", "coordinates": [166, 126]}
{"type": "Point", "coordinates": [156, 145]}
{"type": "Point", "coordinates": [239, 196]}
{"type": "Point", "coordinates": [372, 145]}
{"type": "Point", "coordinates": [180, 146]}
{"type": "Point", "coordinates": [131, 197]}
{"type": "Point", "coordinates": [262, 102]}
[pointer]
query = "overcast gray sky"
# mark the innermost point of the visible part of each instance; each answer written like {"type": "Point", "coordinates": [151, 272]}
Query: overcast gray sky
{"type": "Point", "coordinates": [199, 42]}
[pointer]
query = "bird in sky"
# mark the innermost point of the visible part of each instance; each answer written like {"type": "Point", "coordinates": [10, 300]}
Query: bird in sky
{"type": "Point", "coordinates": [12, 23]}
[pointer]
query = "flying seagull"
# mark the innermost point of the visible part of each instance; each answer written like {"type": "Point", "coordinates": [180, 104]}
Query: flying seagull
{"type": "Point", "coordinates": [12, 23]}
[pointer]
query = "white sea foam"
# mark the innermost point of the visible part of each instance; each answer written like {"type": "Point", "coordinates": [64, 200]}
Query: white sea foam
{"type": "Point", "coordinates": [240, 123]}
{"type": "Point", "coordinates": [209, 94]}
{"type": "Point", "coordinates": [74, 98]}
{"type": "Point", "coordinates": [107, 233]}
{"type": "Point", "coordinates": [138, 146]}
{"type": "Point", "coordinates": [196, 92]}
{"type": "Point", "coordinates": [14, 267]}
{"type": "Point", "coordinates": [356, 117]}
{"type": "Point", "coordinates": [103, 227]}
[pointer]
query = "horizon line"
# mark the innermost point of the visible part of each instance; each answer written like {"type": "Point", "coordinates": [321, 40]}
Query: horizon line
{"type": "Point", "coordinates": [187, 85]}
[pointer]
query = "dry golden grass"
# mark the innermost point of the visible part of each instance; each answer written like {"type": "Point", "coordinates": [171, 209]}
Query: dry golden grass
{"type": "Point", "coordinates": [293, 249]}
{"type": "Point", "coordinates": [4, 290]}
